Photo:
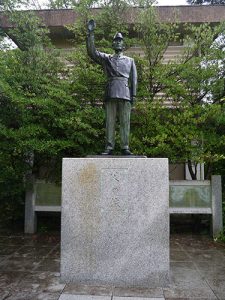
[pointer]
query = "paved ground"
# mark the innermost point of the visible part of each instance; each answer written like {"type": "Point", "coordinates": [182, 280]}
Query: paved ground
{"type": "Point", "coordinates": [29, 269]}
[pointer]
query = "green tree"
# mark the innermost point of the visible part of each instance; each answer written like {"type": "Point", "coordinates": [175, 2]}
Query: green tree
{"type": "Point", "coordinates": [57, 4]}
{"type": "Point", "coordinates": [42, 119]}
{"type": "Point", "coordinates": [187, 130]}
{"type": "Point", "coordinates": [49, 111]}
{"type": "Point", "coordinates": [56, 119]}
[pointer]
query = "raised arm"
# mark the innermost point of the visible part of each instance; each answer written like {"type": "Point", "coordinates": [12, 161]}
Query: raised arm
{"type": "Point", "coordinates": [97, 56]}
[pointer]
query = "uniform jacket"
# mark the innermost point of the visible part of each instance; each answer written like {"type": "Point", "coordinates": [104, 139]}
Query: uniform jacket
{"type": "Point", "coordinates": [120, 70]}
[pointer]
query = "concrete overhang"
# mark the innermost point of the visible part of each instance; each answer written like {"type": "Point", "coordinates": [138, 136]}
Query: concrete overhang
{"type": "Point", "coordinates": [57, 20]}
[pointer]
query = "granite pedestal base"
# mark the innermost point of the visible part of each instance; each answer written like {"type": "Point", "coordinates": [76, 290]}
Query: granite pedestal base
{"type": "Point", "coordinates": [115, 221]}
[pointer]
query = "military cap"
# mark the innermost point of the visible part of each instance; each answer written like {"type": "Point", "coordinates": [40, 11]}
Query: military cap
{"type": "Point", "coordinates": [118, 35]}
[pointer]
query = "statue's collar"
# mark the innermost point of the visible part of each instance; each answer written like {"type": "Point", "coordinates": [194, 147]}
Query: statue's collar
{"type": "Point", "coordinates": [120, 55]}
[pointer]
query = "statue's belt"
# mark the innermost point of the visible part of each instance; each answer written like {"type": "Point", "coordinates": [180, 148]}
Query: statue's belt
{"type": "Point", "coordinates": [118, 78]}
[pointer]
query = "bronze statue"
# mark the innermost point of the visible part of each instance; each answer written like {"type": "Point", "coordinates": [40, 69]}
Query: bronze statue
{"type": "Point", "coordinates": [120, 90]}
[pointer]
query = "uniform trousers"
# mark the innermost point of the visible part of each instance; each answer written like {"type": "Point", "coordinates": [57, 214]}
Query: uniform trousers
{"type": "Point", "coordinates": [122, 108]}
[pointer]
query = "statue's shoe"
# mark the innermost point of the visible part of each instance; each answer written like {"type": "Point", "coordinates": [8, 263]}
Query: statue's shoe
{"type": "Point", "coordinates": [107, 152]}
{"type": "Point", "coordinates": [126, 152]}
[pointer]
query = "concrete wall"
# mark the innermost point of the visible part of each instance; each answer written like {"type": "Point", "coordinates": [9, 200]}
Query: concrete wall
{"type": "Point", "coordinates": [56, 20]}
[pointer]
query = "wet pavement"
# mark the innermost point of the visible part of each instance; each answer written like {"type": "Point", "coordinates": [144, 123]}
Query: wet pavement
{"type": "Point", "coordinates": [29, 270]}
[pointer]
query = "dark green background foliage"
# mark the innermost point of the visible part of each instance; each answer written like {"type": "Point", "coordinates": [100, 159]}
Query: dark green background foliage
{"type": "Point", "coordinates": [49, 110]}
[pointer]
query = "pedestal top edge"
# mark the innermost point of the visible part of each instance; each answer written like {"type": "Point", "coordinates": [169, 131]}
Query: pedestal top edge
{"type": "Point", "coordinates": [114, 158]}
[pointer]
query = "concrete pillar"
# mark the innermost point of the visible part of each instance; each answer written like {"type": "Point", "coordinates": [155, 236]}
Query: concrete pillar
{"type": "Point", "coordinates": [30, 223]}
{"type": "Point", "coordinates": [217, 217]}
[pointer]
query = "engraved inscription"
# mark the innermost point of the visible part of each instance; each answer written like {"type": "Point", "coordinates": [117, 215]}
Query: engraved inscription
{"type": "Point", "coordinates": [114, 186]}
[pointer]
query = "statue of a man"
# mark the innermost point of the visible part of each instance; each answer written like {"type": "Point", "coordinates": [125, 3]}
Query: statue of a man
{"type": "Point", "coordinates": [120, 90]}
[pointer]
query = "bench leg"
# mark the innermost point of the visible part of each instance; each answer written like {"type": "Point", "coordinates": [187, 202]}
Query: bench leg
{"type": "Point", "coordinates": [217, 217]}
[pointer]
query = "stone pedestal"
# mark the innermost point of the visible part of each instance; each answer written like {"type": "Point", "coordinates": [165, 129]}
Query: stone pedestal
{"type": "Point", "coordinates": [115, 221]}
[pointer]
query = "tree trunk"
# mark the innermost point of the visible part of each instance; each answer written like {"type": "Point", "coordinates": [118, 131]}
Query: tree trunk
{"type": "Point", "coordinates": [192, 172]}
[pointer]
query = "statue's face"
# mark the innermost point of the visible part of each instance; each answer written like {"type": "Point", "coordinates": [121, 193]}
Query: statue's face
{"type": "Point", "coordinates": [118, 44]}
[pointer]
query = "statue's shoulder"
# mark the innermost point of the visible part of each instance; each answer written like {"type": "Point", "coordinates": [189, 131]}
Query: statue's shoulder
{"type": "Point", "coordinates": [104, 55]}
{"type": "Point", "coordinates": [128, 58]}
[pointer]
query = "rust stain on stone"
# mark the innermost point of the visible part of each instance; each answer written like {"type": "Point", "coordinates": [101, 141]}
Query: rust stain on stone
{"type": "Point", "coordinates": [88, 207]}
{"type": "Point", "coordinates": [88, 174]}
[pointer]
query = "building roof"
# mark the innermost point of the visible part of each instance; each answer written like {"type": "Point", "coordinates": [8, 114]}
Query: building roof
{"type": "Point", "coordinates": [56, 20]}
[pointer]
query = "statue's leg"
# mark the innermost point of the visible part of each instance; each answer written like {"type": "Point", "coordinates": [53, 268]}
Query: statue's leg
{"type": "Point", "coordinates": [111, 110]}
{"type": "Point", "coordinates": [124, 117]}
